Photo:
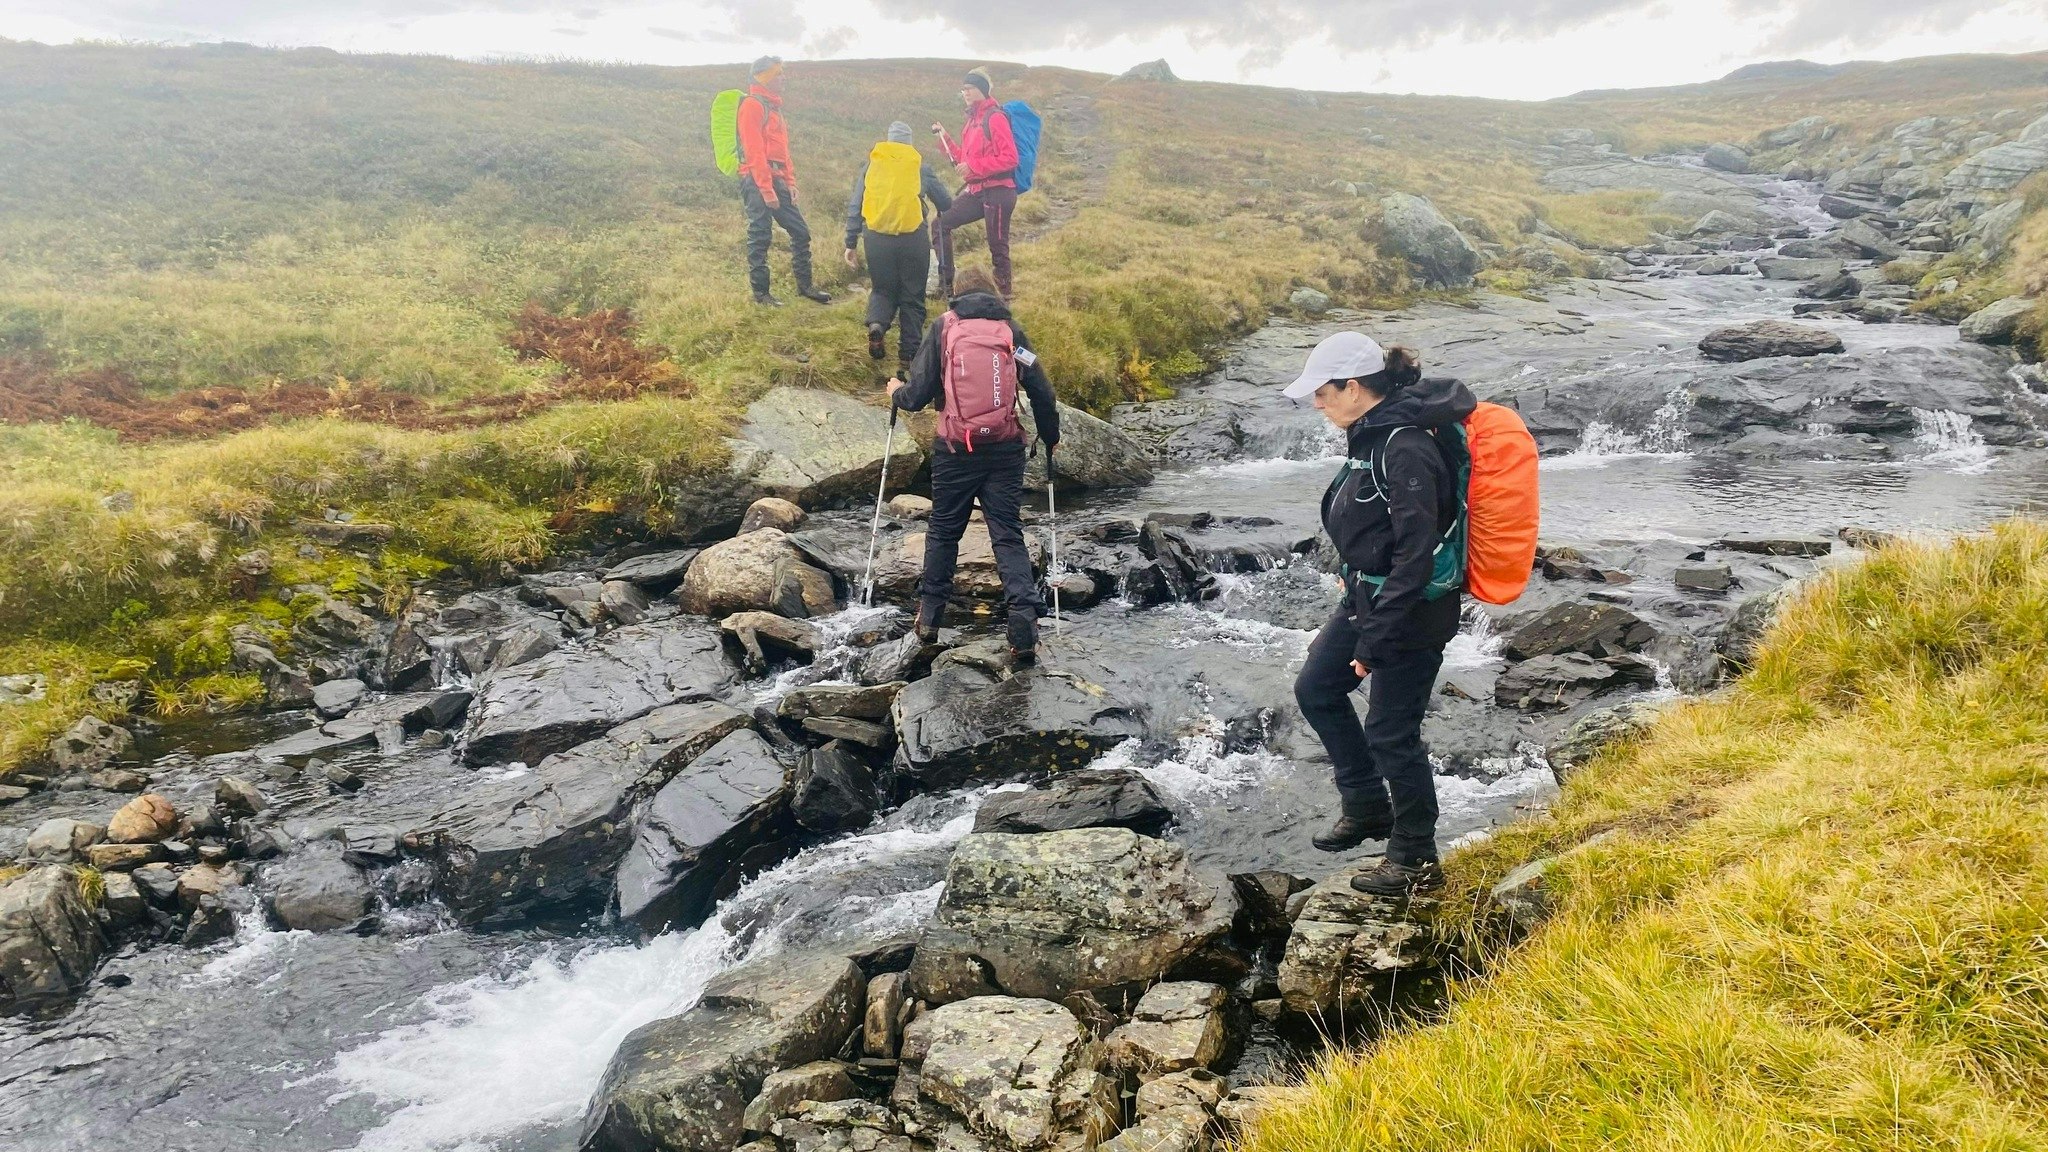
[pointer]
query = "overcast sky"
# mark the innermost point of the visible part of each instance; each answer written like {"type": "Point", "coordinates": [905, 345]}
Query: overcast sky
{"type": "Point", "coordinates": [1510, 48]}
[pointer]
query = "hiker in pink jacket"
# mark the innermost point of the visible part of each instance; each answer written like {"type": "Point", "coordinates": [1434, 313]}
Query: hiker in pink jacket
{"type": "Point", "coordinates": [986, 156]}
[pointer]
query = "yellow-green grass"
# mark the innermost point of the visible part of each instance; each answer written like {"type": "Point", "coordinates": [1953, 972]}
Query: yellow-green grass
{"type": "Point", "coordinates": [1822, 921]}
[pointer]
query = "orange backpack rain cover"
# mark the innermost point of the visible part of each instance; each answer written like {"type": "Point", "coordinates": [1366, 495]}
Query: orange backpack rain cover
{"type": "Point", "coordinates": [1503, 507]}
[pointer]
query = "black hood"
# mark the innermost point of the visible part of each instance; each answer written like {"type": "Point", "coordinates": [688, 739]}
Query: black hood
{"type": "Point", "coordinates": [984, 306]}
{"type": "Point", "coordinates": [1428, 402]}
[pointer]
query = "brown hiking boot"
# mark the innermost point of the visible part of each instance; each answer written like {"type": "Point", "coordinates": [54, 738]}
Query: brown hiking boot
{"type": "Point", "coordinates": [1394, 879]}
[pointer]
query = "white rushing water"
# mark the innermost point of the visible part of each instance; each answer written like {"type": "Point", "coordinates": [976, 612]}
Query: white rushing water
{"type": "Point", "coordinates": [1663, 438]}
{"type": "Point", "coordinates": [1951, 443]}
{"type": "Point", "coordinates": [505, 1053]}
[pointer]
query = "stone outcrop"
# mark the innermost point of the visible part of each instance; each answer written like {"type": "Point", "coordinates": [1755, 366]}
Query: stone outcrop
{"type": "Point", "coordinates": [1093, 798]}
{"type": "Point", "coordinates": [49, 941]}
{"type": "Point", "coordinates": [966, 721]}
{"type": "Point", "coordinates": [730, 799]}
{"type": "Point", "coordinates": [682, 1084]}
{"type": "Point", "coordinates": [1015, 1071]}
{"type": "Point", "coordinates": [546, 841]}
{"type": "Point", "coordinates": [1346, 945]}
{"type": "Point", "coordinates": [567, 697]}
{"type": "Point", "coordinates": [1177, 1026]}
{"type": "Point", "coordinates": [1768, 338]}
{"type": "Point", "coordinates": [816, 448]}
{"type": "Point", "coordinates": [1062, 912]}
{"type": "Point", "coordinates": [1997, 322]}
{"type": "Point", "coordinates": [1414, 230]}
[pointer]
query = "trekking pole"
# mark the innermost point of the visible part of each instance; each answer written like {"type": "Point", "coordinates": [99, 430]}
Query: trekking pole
{"type": "Point", "coordinates": [1052, 520]}
{"type": "Point", "coordinates": [867, 583]}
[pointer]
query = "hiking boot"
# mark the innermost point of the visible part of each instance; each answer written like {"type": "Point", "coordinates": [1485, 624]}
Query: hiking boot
{"type": "Point", "coordinates": [876, 350]}
{"type": "Point", "coordinates": [1024, 657]}
{"type": "Point", "coordinates": [766, 301]}
{"type": "Point", "coordinates": [817, 294]}
{"type": "Point", "coordinates": [1350, 831]}
{"type": "Point", "coordinates": [1390, 878]}
{"type": "Point", "coordinates": [929, 617]}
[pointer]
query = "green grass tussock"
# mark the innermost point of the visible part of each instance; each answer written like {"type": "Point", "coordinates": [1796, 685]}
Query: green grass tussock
{"type": "Point", "coordinates": [1822, 921]}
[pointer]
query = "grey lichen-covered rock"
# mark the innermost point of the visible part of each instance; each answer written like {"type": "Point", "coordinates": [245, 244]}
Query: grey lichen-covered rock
{"type": "Point", "coordinates": [1245, 1105]}
{"type": "Point", "coordinates": [1093, 453]}
{"type": "Point", "coordinates": [1346, 944]}
{"type": "Point", "coordinates": [760, 571]}
{"type": "Point", "coordinates": [573, 695]}
{"type": "Point", "coordinates": [2002, 166]}
{"type": "Point", "coordinates": [61, 840]}
{"type": "Point", "coordinates": [1727, 158]}
{"type": "Point", "coordinates": [1746, 628]}
{"type": "Point", "coordinates": [90, 745]}
{"type": "Point", "coordinates": [1593, 629]}
{"type": "Point", "coordinates": [1594, 731]}
{"type": "Point", "coordinates": [1417, 232]}
{"type": "Point", "coordinates": [1062, 912]}
{"type": "Point", "coordinates": [967, 721]}
{"type": "Point", "coordinates": [1195, 1091]}
{"type": "Point", "coordinates": [816, 448]}
{"type": "Point", "coordinates": [1091, 798]}
{"type": "Point", "coordinates": [1176, 1131]}
{"type": "Point", "coordinates": [318, 891]}
{"type": "Point", "coordinates": [1794, 268]}
{"type": "Point", "coordinates": [682, 1084]}
{"type": "Point", "coordinates": [49, 941]}
{"type": "Point", "coordinates": [545, 841]}
{"type": "Point", "coordinates": [1177, 1025]}
{"type": "Point", "coordinates": [732, 798]}
{"type": "Point", "coordinates": [1000, 1063]}
{"type": "Point", "coordinates": [1764, 338]}
{"type": "Point", "coordinates": [820, 1080]}
{"type": "Point", "coordinates": [840, 1126]}
{"type": "Point", "coordinates": [1155, 71]}
{"type": "Point", "coordinates": [1997, 322]}
{"type": "Point", "coordinates": [1566, 679]}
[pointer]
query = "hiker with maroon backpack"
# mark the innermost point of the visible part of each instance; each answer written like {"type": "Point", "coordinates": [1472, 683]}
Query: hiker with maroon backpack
{"type": "Point", "coordinates": [972, 365]}
{"type": "Point", "coordinates": [986, 157]}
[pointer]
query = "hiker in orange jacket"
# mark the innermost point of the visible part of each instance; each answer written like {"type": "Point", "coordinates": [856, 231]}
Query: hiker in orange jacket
{"type": "Point", "coordinates": [768, 185]}
{"type": "Point", "coordinates": [986, 156]}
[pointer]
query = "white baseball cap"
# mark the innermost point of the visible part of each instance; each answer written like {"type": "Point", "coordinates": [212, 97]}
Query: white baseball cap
{"type": "Point", "coordinates": [1344, 356]}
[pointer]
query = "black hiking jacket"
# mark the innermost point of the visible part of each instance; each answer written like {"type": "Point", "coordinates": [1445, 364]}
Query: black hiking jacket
{"type": "Point", "coordinates": [1392, 528]}
{"type": "Point", "coordinates": [927, 373]}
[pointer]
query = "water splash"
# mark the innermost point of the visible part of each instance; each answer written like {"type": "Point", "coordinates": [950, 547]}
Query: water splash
{"type": "Point", "coordinates": [1199, 766]}
{"type": "Point", "coordinates": [1952, 443]}
{"type": "Point", "coordinates": [501, 1054]}
{"type": "Point", "coordinates": [1475, 645]}
{"type": "Point", "coordinates": [1663, 438]}
{"type": "Point", "coordinates": [836, 649]}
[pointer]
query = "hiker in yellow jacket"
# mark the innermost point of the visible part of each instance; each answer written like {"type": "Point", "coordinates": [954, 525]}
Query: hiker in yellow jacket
{"type": "Point", "coordinates": [888, 208]}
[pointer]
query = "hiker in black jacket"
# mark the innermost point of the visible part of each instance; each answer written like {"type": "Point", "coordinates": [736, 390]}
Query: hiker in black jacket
{"type": "Point", "coordinates": [899, 241]}
{"type": "Point", "coordinates": [992, 472]}
{"type": "Point", "coordinates": [1386, 512]}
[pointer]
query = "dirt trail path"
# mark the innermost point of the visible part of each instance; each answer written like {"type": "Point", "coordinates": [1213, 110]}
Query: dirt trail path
{"type": "Point", "coordinates": [1073, 132]}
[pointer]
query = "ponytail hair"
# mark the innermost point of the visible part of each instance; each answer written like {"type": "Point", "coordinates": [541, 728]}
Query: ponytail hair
{"type": "Point", "coordinates": [1403, 367]}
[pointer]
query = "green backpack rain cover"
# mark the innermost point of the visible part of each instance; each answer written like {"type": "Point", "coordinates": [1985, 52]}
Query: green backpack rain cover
{"type": "Point", "coordinates": [725, 130]}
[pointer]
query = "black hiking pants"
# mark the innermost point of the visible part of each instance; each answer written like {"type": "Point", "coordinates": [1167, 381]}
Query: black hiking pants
{"type": "Point", "coordinates": [994, 206]}
{"type": "Point", "coordinates": [898, 265]}
{"type": "Point", "coordinates": [993, 475]}
{"type": "Point", "coordinates": [1382, 763]}
{"type": "Point", "coordinates": [761, 221]}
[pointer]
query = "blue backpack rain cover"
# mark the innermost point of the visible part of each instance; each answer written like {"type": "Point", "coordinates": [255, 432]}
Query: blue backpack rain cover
{"type": "Point", "coordinates": [1024, 128]}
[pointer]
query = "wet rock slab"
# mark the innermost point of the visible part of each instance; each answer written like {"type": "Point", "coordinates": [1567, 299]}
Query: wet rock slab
{"type": "Point", "coordinates": [985, 720]}
{"type": "Point", "coordinates": [682, 1084]}
{"type": "Point", "coordinates": [730, 799]}
{"type": "Point", "coordinates": [567, 697]}
{"type": "Point", "coordinates": [545, 841]}
{"type": "Point", "coordinates": [1094, 798]}
{"type": "Point", "coordinates": [49, 941]}
{"type": "Point", "coordinates": [1345, 945]}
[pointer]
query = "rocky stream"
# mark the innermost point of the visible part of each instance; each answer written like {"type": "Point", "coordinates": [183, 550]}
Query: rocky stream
{"type": "Point", "coordinates": [682, 847]}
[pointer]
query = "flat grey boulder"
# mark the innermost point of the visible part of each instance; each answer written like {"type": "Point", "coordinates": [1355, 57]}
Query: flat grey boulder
{"type": "Point", "coordinates": [1726, 158]}
{"type": "Point", "coordinates": [1056, 913]}
{"type": "Point", "coordinates": [656, 571]}
{"type": "Point", "coordinates": [1997, 322]}
{"type": "Point", "coordinates": [731, 798]}
{"type": "Point", "coordinates": [318, 891]}
{"type": "Point", "coordinates": [1418, 233]}
{"type": "Point", "coordinates": [1795, 268]}
{"type": "Point", "coordinates": [89, 745]}
{"type": "Point", "coordinates": [569, 696]}
{"type": "Point", "coordinates": [332, 699]}
{"type": "Point", "coordinates": [1091, 798]}
{"type": "Point", "coordinates": [1177, 1026]}
{"type": "Point", "coordinates": [816, 448]}
{"type": "Point", "coordinates": [1003, 1065]}
{"type": "Point", "coordinates": [1768, 338]}
{"type": "Point", "coordinates": [545, 841]}
{"type": "Point", "coordinates": [1594, 629]}
{"type": "Point", "coordinates": [1594, 731]}
{"type": "Point", "coordinates": [2000, 166]}
{"type": "Point", "coordinates": [968, 722]}
{"type": "Point", "coordinates": [1566, 679]}
{"type": "Point", "coordinates": [682, 1084]}
{"type": "Point", "coordinates": [49, 941]}
{"type": "Point", "coordinates": [1346, 946]}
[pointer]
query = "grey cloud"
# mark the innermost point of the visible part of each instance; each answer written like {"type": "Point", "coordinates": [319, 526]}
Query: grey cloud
{"type": "Point", "coordinates": [829, 43]}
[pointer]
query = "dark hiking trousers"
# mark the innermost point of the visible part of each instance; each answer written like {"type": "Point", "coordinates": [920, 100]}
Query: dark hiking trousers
{"type": "Point", "coordinates": [761, 221]}
{"type": "Point", "coordinates": [993, 475]}
{"type": "Point", "coordinates": [994, 205]}
{"type": "Point", "coordinates": [1384, 758]}
{"type": "Point", "coordinates": [898, 266]}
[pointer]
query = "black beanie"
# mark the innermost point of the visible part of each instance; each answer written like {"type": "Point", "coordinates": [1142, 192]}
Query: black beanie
{"type": "Point", "coordinates": [979, 78]}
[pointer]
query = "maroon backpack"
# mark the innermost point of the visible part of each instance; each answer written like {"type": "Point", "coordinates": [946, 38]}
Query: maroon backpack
{"type": "Point", "coordinates": [980, 375]}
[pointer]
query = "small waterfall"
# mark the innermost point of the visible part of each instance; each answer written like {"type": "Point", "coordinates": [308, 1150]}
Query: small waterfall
{"type": "Point", "coordinates": [1952, 443]}
{"type": "Point", "coordinates": [1665, 436]}
{"type": "Point", "coordinates": [836, 652]}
